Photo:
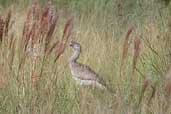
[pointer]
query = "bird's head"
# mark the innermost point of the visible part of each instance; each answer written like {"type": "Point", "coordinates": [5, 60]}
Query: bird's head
{"type": "Point", "coordinates": [76, 46]}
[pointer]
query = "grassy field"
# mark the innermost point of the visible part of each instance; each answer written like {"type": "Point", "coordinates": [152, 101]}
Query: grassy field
{"type": "Point", "coordinates": [127, 42]}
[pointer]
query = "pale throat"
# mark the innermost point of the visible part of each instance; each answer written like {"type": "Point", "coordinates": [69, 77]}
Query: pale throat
{"type": "Point", "coordinates": [75, 56]}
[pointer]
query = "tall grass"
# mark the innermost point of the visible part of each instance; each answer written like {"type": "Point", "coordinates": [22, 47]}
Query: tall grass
{"type": "Point", "coordinates": [34, 52]}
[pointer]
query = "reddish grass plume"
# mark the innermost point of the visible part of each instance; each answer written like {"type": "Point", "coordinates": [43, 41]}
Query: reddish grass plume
{"type": "Point", "coordinates": [7, 22]}
{"type": "Point", "coordinates": [1, 27]}
{"type": "Point", "coordinates": [168, 84]}
{"type": "Point", "coordinates": [137, 43]}
{"type": "Point", "coordinates": [125, 48]}
{"type": "Point", "coordinates": [66, 34]}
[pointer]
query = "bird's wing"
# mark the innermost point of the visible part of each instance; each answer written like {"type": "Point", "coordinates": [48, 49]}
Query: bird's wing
{"type": "Point", "coordinates": [86, 73]}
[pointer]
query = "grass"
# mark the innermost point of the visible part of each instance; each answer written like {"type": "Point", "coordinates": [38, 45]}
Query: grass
{"type": "Point", "coordinates": [34, 52]}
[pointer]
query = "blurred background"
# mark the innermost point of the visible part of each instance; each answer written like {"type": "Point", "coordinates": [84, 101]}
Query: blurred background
{"type": "Point", "coordinates": [101, 27]}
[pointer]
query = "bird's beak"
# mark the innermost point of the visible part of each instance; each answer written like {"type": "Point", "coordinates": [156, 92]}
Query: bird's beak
{"type": "Point", "coordinates": [70, 44]}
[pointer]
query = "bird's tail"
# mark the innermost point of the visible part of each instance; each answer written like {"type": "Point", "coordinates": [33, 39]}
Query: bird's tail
{"type": "Point", "coordinates": [103, 87]}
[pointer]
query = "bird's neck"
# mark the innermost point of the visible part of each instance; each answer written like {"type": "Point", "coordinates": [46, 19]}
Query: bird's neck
{"type": "Point", "coordinates": [75, 56]}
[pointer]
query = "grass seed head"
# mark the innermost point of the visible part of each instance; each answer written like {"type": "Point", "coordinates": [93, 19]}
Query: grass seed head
{"type": "Point", "coordinates": [168, 84]}
{"type": "Point", "coordinates": [7, 22]}
{"type": "Point", "coordinates": [137, 43]}
{"type": "Point", "coordinates": [68, 28]}
{"type": "Point", "coordinates": [125, 48]}
{"type": "Point", "coordinates": [50, 32]}
{"type": "Point", "coordinates": [1, 28]}
{"type": "Point", "coordinates": [66, 34]}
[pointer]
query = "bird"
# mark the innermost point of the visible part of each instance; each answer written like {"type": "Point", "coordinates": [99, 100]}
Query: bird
{"type": "Point", "coordinates": [83, 73]}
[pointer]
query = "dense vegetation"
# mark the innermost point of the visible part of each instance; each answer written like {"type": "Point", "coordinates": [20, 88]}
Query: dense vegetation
{"type": "Point", "coordinates": [127, 42]}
